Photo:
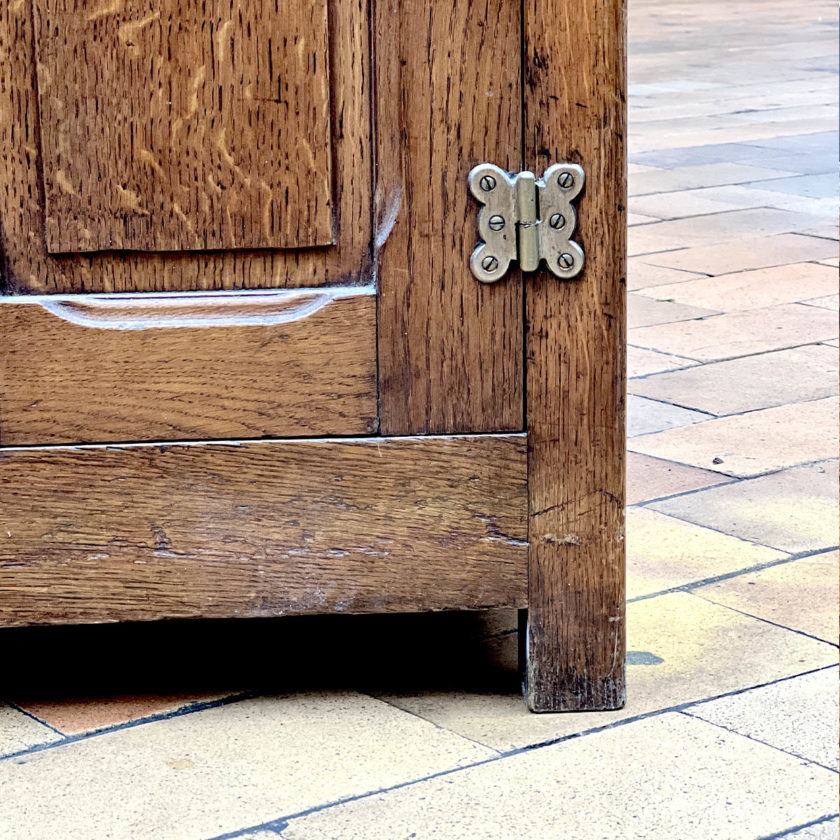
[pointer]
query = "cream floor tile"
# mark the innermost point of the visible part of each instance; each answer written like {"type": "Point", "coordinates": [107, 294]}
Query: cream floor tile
{"type": "Point", "coordinates": [677, 205]}
{"type": "Point", "coordinates": [793, 510]}
{"type": "Point", "coordinates": [681, 649]}
{"type": "Point", "coordinates": [824, 830]}
{"type": "Point", "coordinates": [751, 289]}
{"type": "Point", "coordinates": [216, 771]}
{"type": "Point", "coordinates": [663, 552]}
{"type": "Point", "coordinates": [797, 715]}
{"type": "Point", "coordinates": [641, 274]}
{"type": "Point", "coordinates": [634, 219]}
{"type": "Point", "coordinates": [641, 362]}
{"type": "Point", "coordinates": [645, 311]}
{"type": "Point", "coordinates": [713, 231]}
{"type": "Point", "coordinates": [754, 196]}
{"type": "Point", "coordinates": [833, 261]}
{"type": "Point", "coordinates": [690, 780]}
{"type": "Point", "coordinates": [747, 445]}
{"type": "Point", "coordinates": [748, 383]}
{"type": "Point", "coordinates": [648, 416]}
{"type": "Point", "coordinates": [828, 302]}
{"type": "Point", "coordinates": [685, 177]}
{"type": "Point", "coordinates": [747, 253]}
{"type": "Point", "coordinates": [801, 595]}
{"type": "Point", "coordinates": [20, 732]}
{"type": "Point", "coordinates": [652, 478]}
{"type": "Point", "coordinates": [832, 343]}
{"type": "Point", "coordinates": [739, 333]}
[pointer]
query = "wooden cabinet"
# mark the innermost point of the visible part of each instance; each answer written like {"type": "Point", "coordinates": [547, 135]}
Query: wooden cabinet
{"type": "Point", "coordinates": [245, 368]}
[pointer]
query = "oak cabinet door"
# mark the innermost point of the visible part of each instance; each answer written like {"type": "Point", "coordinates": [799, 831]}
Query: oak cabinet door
{"type": "Point", "coordinates": [180, 259]}
{"type": "Point", "coordinates": [206, 235]}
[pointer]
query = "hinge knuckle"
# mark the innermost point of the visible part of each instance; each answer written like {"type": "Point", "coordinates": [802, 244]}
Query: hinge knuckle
{"type": "Point", "coordinates": [527, 220]}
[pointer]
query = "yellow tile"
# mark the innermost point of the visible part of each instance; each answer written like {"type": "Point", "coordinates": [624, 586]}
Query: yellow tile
{"type": "Point", "coordinates": [221, 770]}
{"type": "Point", "coordinates": [686, 650]}
{"type": "Point", "coordinates": [739, 333]}
{"type": "Point", "coordinates": [751, 289]}
{"type": "Point", "coordinates": [801, 595]}
{"type": "Point", "coordinates": [670, 777]}
{"type": "Point", "coordinates": [807, 727]}
{"type": "Point", "coordinates": [663, 552]}
{"type": "Point", "coordinates": [750, 444]}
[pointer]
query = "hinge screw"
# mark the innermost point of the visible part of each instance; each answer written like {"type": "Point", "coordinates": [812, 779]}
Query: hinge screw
{"type": "Point", "coordinates": [490, 264]}
{"type": "Point", "coordinates": [557, 221]}
{"type": "Point", "coordinates": [566, 180]}
{"type": "Point", "coordinates": [496, 222]}
{"type": "Point", "coordinates": [488, 183]}
{"type": "Point", "coordinates": [565, 260]}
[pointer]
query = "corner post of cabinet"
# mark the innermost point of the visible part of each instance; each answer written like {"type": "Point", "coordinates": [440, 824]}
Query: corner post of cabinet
{"type": "Point", "coordinates": [575, 111]}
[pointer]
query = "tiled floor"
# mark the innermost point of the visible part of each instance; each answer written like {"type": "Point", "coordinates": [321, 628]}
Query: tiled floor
{"type": "Point", "coordinates": [412, 726]}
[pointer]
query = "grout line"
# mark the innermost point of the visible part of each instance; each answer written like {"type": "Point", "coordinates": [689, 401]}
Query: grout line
{"type": "Point", "coordinates": [759, 567]}
{"type": "Point", "coordinates": [788, 831]}
{"type": "Point", "coordinates": [733, 479]}
{"type": "Point", "coordinates": [758, 740]}
{"type": "Point", "coordinates": [767, 620]}
{"type": "Point", "coordinates": [739, 414]}
{"type": "Point", "coordinates": [282, 822]}
{"type": "Point", "coordinates": [706, 362]}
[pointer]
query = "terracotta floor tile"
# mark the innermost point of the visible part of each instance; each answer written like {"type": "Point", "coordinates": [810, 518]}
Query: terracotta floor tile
{"type": "Point", "coordinates": [74, 715]}
{"type": "Point", "coordinates": [652, 478]}
{"type": "Point", "coordinates": [800, 595]}
{"type": "Point", "coordinates": [681, 649]}
{"type": "Point", "coordinates": [748, 252]}
{"type": "Point", "coordinates": [748, 383]}
{"type": "Point", "coordinates": [808, 728]}
{"type": "Point", "coordinates": [691, 780]}
{"type": "Point", "coordinates": [750, 444]}
{"type": "Point", "coordinates": [739, 333]}
{"type": "Point", "coordinates": [663, 553]}
{"type": "Point", "coordinates": [751, 289]}
{"type": "Point", "coordinates": [794, 510]}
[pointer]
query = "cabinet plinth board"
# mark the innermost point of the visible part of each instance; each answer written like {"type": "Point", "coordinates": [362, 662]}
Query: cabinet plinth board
{"type": "Point", "coordinates": [94, 534]}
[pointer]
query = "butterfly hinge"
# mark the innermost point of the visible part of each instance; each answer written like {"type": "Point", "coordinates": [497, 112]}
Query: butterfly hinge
{"type": "Point", "coordinates": [526, 219]}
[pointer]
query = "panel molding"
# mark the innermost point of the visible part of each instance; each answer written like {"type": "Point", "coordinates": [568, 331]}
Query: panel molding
{"type": "Point", "coordinates": [88, 368]}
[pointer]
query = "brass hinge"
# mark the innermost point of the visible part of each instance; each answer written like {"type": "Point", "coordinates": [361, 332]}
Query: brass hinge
{"type": "Point", "coordinates": [527, 220]}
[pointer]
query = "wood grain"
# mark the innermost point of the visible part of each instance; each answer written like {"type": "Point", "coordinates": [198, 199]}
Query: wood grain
{"type": "Point", "coordinates": [448, 97]}
{"type": "Point", "coordinates": [262, 529]}
{"type": "Point", "coordinates": [186, 367]}
{"type": "Point", "coordinates": [169, 125]}
{"type": "Point", "coordinates": [26, 267]}
{"type": "Point", "coordinates": [575, 111]}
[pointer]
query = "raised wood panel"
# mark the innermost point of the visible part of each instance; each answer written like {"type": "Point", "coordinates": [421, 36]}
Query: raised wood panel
{"type": "Point", "coordinates": [26, 266]}
{"type": "Point", "coordinates": [448, 97]}
{"type": "Point", "coordinates": [575, 111]}
{"type": "Point", "coordinates": [262, 529]}
{"type": "Point", "coordinates": [171, 125]}
{"type": "Point", "coordinates": [183, 367]}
